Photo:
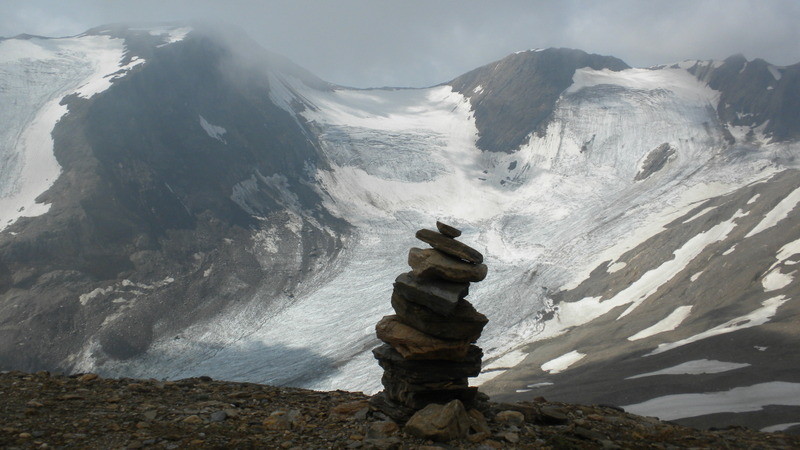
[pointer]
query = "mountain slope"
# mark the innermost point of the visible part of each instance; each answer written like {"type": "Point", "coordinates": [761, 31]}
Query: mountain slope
{"type": "Point", "coordinates": [515, 96]}
{"type": "Point", "coordinates": [164, 176]}
{"type": "Point", "coordinates": [221, 211]}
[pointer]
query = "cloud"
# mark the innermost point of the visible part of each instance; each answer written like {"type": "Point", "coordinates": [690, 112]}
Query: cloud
{"type": "Point", "coordinates": [419, 43]}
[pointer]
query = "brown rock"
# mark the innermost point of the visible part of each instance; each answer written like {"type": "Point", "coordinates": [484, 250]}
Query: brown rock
{"type": "Point", "coordinates": [88, 377]}
{"type": "Point", "coordinates": [447, 230]}
{"type": "Point", "coordinates": [464, 323]}
{"type": "Point", "coordinates": [278, 420]}
{"type": "Point", "coordinates": [509, 417]}
{"type": "Point", "coordinates": [428, 371]}
{"type": "Point", "coordinates": [414, 344]}
{"type": "Point", "coordinates": [478, 428]}
{"type": "Point", "coordinates": [432, 263]}
{"type": "Point", "coordinates": [450, 246]}
{"type": "Point", "coordinates": [439, 295]}
{"type": "Point", "coordinates": [193, 419]}
{"type": "Point", "coordinates": [509, 436]}
{"type": "Point", "coordinates": [381, 430]}
{"type": "Point", "coordinates": [419, 395]}
{"type": "Point", "coordinates": [552, 415]}
{"type": "Point", "coordinates": [348, 410]}
{"type": "Point", "coordinates": [396, 411]}
{"type": "Point", "coordinates": [440, 423]}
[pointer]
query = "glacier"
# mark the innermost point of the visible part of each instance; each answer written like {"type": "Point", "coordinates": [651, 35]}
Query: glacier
{"type": "Point", "coordinates": [544, 216]}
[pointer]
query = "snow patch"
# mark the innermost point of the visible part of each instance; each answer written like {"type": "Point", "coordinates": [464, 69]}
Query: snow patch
{"type": "Point", "coordinates": [779, 427]}
{"type": "Point", "coordinates": [775, 280]}
{"type": "Point", "coordinates": [697, 367]}
{"type": "Point", "coordinates": [647, 285]}
{"type": "Point", "coordinates": [757, 317]}
{"type": "Point", "coordinates": [736, 400]}
{"type": "Point", "coordinates": [669, 323]}
{"type": "Point", "coordinates": [778, 213]}
{"type": "Point", "coordinates": [700, 214]}
{"type": "Point", "coordinates": [213, 131]}
{"type": "Point", "coordinates": [616, 267]}
{"type": "Point", "coordinates": [563, 362]}
{"type": "Point", "coordinates": [170, 34]}
{"type": "Point", "coordinates": [775, 72]}
{"type": "Point", "coordinates": [499, 366]}
{"type": "Point", "coordinates": [85, 298]}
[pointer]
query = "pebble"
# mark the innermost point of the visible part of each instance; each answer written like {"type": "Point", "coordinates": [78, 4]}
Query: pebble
{"type": "Point", "coordinates": [510, 417]}
{"type": "Point", "coordinates": [193, 419]}
{"type": "Point", "coordinates": [218, 416]}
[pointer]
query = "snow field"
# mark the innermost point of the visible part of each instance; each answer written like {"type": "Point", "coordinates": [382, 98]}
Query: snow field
{"type": "Point", "coordinates": [740, 399]}
{"type": "Point", "coordinates": [697, 367]}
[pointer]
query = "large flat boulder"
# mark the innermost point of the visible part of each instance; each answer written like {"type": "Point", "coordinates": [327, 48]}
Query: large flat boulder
{"type": "Point", "coordinates": [431, 263]}
{"type": "Point", "coordinates": [438, 295]}
{"type": "Point", "coordinates": [450, 246]}
{"type": "Point", "coordinates": [463, 323]}
{"type": "Point", "coordinates": [414, 344]}
{"type": "Point", "coordinates": [427, 371]}
{"type": "Point", "coordinates": [418, 395]}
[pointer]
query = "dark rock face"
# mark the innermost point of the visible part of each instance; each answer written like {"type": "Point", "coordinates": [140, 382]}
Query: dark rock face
{"type": "Point", "coordinates": [515, 96]}
{"type": "Point", "coordinates": [655, 161]}
{"type": "Point", "coordinates": [753, 93]}
{"type": "Point", "coordinates": [153, 213]}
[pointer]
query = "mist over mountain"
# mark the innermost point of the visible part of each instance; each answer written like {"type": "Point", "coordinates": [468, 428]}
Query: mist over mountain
{"type": "Point", "coordinates": [177, 201]}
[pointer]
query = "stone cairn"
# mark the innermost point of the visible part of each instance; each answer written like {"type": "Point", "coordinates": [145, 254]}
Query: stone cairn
{"type": "Point", "coordinates": [428, 352]}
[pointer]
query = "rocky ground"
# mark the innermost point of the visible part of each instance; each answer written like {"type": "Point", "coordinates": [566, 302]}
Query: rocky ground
{"type": "Point", "coordinates": [87, 411]}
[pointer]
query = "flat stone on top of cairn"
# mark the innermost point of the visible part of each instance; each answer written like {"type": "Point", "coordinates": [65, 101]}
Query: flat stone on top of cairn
{"type": "Point", "coordinates": [447, 230]}
{"type": "Point", "coordinates": [450, 246]}
{"type": "Point", "coordinates": [428, 352]}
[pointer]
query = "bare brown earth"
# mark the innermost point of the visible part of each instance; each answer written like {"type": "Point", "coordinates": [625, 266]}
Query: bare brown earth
{"type": "Point", "coordinates": [85, 411]}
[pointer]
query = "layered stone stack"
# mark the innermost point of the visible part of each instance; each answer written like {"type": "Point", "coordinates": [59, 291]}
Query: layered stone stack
{"type": "Point", "coordinates": [428, 352]}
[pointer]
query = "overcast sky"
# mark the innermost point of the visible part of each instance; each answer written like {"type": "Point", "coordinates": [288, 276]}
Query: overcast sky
{"type": "Point", "coordinates": [370, 43]}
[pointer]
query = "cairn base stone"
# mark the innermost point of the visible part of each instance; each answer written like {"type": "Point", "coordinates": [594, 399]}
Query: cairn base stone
{"type": "Point", "coordinates": [395, 411]}
{"type": "Point", "coordinates": [416, 396]}
{"type": "Point", "coordinates": [440, 423]}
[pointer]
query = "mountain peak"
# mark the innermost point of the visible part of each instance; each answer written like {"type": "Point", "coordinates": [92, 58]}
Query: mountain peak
{"type": "Point", "coordinates": [514, 96]}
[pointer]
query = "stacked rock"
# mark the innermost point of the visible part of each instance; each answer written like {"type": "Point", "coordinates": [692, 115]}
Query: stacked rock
{"type": "Point", "coordinates": [428, 352]}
